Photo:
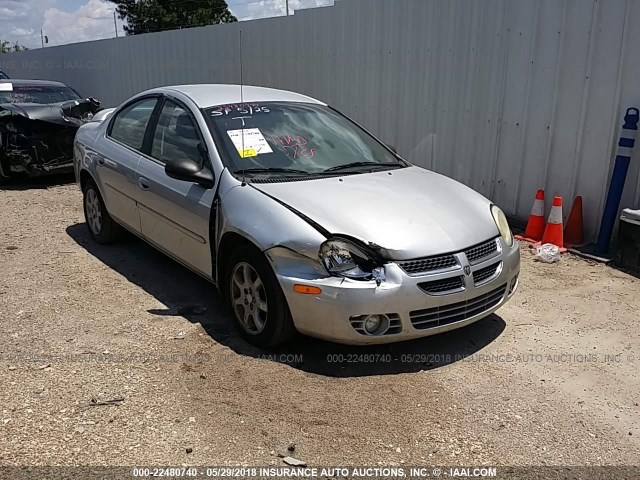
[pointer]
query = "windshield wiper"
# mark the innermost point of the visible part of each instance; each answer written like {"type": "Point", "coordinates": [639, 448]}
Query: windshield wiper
{"type": "Point", "coordinates": [271, 170]}
{"type": "Point", "coordinates": [362, 164]}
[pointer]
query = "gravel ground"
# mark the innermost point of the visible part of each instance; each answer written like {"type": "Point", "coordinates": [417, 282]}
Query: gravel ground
{"type": "Point", "coordinates": [551, 379]}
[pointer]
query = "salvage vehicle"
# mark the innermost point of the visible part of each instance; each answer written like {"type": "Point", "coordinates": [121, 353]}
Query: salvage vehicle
{"type": "Point", "coordinates": [38, 122]}
{"type": "Point", "coordinates": [304, 220]}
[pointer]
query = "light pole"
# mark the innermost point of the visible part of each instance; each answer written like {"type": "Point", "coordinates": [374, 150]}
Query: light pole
{"type": "Point", "coordinates": [287, 4]}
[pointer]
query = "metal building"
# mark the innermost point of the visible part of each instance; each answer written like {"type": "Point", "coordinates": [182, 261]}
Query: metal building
{"type": "Point", "coordinates": [507, 96]}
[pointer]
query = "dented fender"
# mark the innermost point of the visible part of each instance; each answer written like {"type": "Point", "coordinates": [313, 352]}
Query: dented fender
{"type": "Point", "coordinates": [263, 221]}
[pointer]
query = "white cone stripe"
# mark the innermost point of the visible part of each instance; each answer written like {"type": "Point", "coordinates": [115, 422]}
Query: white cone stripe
{"type": "Point", "coordinates": [538, 208]}
{"type": "Point", "coordinates": [555, 216]}
{"type": "Point", "coordinates": [625, 152]}
{"type": "Point", "coordinates": [628, 133]}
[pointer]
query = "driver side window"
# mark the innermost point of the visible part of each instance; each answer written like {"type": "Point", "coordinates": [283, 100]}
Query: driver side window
{"type": "Point", "coordinates": [176, 136]}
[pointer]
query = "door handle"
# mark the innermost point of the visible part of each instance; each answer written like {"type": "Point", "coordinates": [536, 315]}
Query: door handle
{"type": "Point", "coordinates": [143, 183]}
{"type": "Point", "coordinates": [106, 162]}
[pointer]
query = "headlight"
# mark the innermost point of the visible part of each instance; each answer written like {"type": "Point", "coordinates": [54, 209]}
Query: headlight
{"type": "Point", "coordinates": [502, 224]}
{"type": "Point", "coordinates": [344, 259]}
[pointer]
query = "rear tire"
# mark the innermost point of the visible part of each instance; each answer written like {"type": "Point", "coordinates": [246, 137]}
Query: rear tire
{"type": "Point", "coordinates": [257, 302]}
{"type": "Point", "coordinates": [102, 228]}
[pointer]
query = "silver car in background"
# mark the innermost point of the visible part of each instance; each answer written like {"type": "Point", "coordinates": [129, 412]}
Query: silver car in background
{"type": "Point", "coordinates": [303, 220]}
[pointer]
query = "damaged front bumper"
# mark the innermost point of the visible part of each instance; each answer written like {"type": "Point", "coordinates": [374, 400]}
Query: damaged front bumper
{"type": "Point", "coordinates": [38, 139]}
{"type": "Point", "coordinates": [411, 311]}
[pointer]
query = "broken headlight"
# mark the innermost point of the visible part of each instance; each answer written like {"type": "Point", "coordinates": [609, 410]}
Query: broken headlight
{"type": "Point", "coordinates": [343, 258]}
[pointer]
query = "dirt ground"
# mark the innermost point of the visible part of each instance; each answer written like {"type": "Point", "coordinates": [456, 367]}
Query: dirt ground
{"type": "Point", "coordinates": [551, 379]}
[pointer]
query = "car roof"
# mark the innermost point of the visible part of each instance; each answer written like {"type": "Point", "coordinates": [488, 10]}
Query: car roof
{"type": "Point", "coordinates": [34, 83]}
{"type": "Point", "coordinates": [209, 95]}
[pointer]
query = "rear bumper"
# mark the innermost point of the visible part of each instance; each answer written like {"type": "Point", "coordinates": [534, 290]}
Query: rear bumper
{"type": "Point", "coordinates": [420, 314]}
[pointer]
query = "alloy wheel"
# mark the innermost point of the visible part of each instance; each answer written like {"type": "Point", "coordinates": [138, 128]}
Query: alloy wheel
{"type": "Point", "coordinates": [249, 298]}
{"type": "Point", "coordinates": [94, 211]}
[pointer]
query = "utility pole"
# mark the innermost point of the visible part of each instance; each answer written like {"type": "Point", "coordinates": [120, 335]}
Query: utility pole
{"type": "Point", "coordinates": [42, 38]}
{"type": "Point", "coordinates": [115, 24]}
{"type": "Point", "coordinates": [287, 3]}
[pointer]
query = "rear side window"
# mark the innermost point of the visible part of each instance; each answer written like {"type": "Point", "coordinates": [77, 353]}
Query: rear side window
{"type": "Point", "coordinates": [130, 125]}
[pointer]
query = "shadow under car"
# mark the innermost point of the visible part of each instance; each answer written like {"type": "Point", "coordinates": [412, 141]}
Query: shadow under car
{"type": "Point", "coordinates": [39, 182]}
{"type": "Point", "coordinates": [192, 297]}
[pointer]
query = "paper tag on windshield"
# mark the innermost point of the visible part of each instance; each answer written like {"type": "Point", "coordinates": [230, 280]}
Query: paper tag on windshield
{"type": "Point", "coordinates": [254, 143]}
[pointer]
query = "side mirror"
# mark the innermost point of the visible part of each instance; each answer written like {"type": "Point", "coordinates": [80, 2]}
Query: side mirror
{"type": "Point", "coordinates": [392, 148]}
{"type": "Point", "coordinates": [189, 171]}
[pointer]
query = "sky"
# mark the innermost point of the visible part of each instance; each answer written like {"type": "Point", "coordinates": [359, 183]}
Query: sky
{"type": "Point", "coordinates": [70, 21]}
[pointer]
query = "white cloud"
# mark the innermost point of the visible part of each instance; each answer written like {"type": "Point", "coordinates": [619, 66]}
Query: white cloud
{"type": "Point", "coordinates": [92, 21]}
{"type": "Point", "coordinates": [21, 32]}
{"type": "Point", "coordinates": [272, 8]}
{"type": "Point", "coordinates": [20, 20]}
{"type": "Point", "coordinates": [70, 21]}
{"type": "Point", "coordinates": [11, 11]}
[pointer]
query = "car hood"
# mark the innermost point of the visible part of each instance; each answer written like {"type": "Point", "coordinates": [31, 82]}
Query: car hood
{"type": "Point", "coordinates": [405, 213]}
{"type": "Point", "coordinates": [72, 112]}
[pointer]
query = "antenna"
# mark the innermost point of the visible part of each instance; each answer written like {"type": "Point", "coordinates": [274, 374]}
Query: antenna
{"type": "Point", "coordinates": [242, 103]}
{"type": "Point", "coordinates": [241, 72]}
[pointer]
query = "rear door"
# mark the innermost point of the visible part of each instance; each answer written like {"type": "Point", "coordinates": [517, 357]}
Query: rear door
{"type": "Point", "coordinates": [118, 157]}
{"type": "Point", "coordinates": [174, 214]}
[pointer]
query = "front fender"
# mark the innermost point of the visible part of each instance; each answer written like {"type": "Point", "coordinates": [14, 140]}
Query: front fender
{"type": "Point", "coordinates": [263, 221]}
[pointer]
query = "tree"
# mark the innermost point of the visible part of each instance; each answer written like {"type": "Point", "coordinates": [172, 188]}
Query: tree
{"type": "Point", "coordinates": [145, 16]}
{"type": "Point", "coordinates": [8, 47]}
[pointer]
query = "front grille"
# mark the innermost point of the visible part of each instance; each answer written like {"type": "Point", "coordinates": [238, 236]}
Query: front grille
{"type": "Point", "coordinates": [439, 287]}
{"type": "Point", "coordinates": [485, 273]}
{"type": "Point", "coordinates": [480, 252]}
{"type": "Point", "coordinates": [422, 265]}
{"type": "Point", "coordinates": [456, 312]}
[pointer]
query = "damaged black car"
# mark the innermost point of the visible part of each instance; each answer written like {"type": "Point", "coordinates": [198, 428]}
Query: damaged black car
{"type": "Point", "coordinates": [38, 122]}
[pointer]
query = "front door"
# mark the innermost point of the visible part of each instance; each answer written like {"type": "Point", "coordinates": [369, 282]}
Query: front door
{"type": "Point", "coordinates": [174, 214]}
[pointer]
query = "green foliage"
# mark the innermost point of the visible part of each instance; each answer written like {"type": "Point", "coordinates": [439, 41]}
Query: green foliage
{"type": "Point", "coordinates": [145, 16]}
{"type": "Point", "coordinates": [8, 47]}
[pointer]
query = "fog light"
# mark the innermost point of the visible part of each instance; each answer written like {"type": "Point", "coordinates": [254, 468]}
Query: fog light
{"type": "Point", "coordinates": [376, 324]}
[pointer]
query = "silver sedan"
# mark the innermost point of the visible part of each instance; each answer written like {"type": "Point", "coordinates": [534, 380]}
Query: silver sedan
{"type": "Point", "coordinates": [303, 219]}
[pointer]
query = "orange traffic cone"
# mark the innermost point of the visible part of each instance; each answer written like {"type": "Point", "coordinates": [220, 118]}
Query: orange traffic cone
{"type": "Point", "coordinates": [535, 225]}
{"type": "Point", "coordinates": [553, 231]}
{"type": "Point", "coordinates": [573, 234]}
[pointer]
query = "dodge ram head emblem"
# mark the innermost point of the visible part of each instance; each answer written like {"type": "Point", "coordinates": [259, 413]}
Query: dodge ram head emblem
{"type": "Point", "coordinates": [467, 270]}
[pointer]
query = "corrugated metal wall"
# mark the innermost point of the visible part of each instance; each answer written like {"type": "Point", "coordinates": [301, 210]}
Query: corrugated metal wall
{"type": "Point", "coordinates": [506, 96]}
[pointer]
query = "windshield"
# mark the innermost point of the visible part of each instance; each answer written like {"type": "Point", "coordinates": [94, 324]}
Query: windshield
{"type": "Point", "coordinates": [38, 94]}
{"type": "Point", "coordinates": [301, 139]}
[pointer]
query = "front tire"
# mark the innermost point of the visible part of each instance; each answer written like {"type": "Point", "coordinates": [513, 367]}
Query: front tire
{"type": "Point", "coordinates": [257, 302]}
{"type": "Point", "coordinates": [102, 228]}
